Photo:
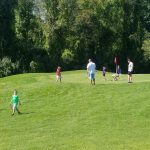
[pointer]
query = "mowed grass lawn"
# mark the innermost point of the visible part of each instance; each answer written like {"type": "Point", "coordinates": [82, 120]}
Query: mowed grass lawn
{"type": "Point", "coordinates": [74, 115]}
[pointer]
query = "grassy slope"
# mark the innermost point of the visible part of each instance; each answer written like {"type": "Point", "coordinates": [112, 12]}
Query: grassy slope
{"type": "Point", "coordinates": [74, 115]}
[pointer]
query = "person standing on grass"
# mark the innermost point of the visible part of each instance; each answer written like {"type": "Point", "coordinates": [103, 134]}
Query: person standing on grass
{"type": "Point", "coordinates": [14, 103]}
{"type": "Point", "coordinates": [58, 74]}
{"type": "Point", "coordinates": [118, 71]}
{"type": "Point", "coordinates": [130, 70]}
{"type": "Point", "coordinates": [117, 74]}
{"type": "Point", "coordinates": [91, 71]}
{"type": "Point", "coordinates": [104, 72]}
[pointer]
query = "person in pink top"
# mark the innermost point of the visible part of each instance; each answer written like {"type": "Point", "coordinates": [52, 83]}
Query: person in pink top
{"type": "Point", "coordinates": [58, 74]}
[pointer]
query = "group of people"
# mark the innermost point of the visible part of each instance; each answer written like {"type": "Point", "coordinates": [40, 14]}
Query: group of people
{"type": "Point", "coordinates": [91, 68]}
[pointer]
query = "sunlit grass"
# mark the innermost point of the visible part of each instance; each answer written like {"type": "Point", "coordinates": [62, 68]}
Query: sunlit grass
{"type": "Point", "coordinates": [73, 115]}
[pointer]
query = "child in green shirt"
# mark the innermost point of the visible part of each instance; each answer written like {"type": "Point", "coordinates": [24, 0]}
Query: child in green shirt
{"type": "Point", "coordinates": [14, 102]}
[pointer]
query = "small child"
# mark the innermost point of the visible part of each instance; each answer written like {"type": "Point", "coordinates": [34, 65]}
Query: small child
{"type": "Point", "coordinates": [118, 71]}
{"type": "Point", "coordinates": [58, 74]}
{"type": "Point", "coordinates": [14, 102]}
{"type": "Point", "coordinates": [115, 77]}
{"type": "Point", "coordinates": [117, 74]}
{"type": "Point", "coordinates": [104, 72]}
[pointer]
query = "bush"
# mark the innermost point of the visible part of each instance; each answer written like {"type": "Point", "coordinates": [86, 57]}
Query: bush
{"type": "Point", "coordinates": [1, 69]}
{"type": "Point", "coordinates": [34, 66]}
{"type": "Point", "coordinates": [37, 61]}
{"type": "Point", "coordinates": [7, 67]}
{"type": "Point", "coordinates": [67, 56]}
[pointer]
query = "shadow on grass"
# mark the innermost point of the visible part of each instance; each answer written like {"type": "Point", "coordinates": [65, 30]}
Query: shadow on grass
{"type": "Point", "coordinates": [27, 113]}
{"type": "Point", "coordinates": [2, 110]}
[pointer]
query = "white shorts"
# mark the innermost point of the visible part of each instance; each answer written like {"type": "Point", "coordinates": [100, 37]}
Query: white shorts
{"type": "Point", "coordinates": [14, 106]}
{"type": "Point", "coordinates": [58, 77]}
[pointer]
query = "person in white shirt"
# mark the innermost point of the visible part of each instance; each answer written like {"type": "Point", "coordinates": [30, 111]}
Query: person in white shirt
{"type": "Point", "coordinates": [91, 71]}
{"type": "Point", "coordinates": [130, 70]}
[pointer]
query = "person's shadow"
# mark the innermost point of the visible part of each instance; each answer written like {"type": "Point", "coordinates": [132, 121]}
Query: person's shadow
{"type": "Point", "coordinates": [2, 110]}
{"type": "Point", "coordinates": [26, 113]}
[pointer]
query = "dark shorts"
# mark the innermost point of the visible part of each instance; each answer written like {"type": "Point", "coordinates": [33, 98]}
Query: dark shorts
{"type": "Point", "coordinates": [130, 73]}
{"type": "Point", "coordinates": [104, 74]}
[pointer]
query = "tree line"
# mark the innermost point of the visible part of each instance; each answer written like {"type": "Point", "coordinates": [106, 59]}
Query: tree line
{"type": "Point", "coordinates": [39, 35]}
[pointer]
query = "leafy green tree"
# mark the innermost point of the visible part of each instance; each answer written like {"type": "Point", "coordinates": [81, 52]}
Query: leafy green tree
{"type": "Point", "coordinates": [7, 28]}
{"type": "Point", "coordinates": [68, 32]}
{"type": "Point", "coordinates": [29, 30]}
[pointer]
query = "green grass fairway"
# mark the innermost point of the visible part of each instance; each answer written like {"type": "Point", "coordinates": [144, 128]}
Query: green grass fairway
{"type": "Point", "coordinates": [74, 115]}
